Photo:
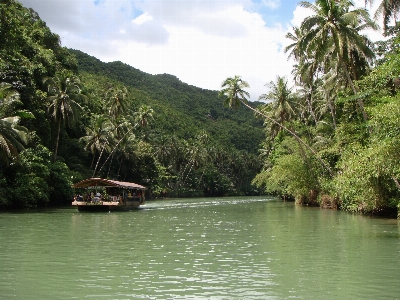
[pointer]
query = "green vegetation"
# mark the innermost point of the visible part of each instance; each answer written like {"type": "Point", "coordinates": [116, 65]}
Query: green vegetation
{"type": "Point", "coordinates": [331, 141]}
{"type": "Point", "coordinates": [66, 116]}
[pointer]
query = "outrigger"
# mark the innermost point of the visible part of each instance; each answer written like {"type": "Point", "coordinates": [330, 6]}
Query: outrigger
{"type": "Point", "coordinates": [108, 195]}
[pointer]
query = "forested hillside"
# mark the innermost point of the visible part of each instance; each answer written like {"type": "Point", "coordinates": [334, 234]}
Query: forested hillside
{"type": "Point", "coordinates": [197, 108]}
{"type": "Point", "coordinates": [66, 116]}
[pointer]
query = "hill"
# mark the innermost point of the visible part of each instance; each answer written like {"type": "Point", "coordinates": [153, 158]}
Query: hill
{"type": "Point", "coordinates": [181, 108]}
{"type": "Point", "coordinates": [66, 116]}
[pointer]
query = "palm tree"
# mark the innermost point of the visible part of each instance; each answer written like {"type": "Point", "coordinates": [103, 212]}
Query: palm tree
{"type": "Point", "coordinates": [387, 9]}
{"type": "Point", "coordinates": [333, 31]}
{"type": "Point", "coordinates": [282, 99]}
{"type": "Point", "coordinates": [142, 117]}
{"type": "Point", "coordinates": [9, 98]}
{"type": "Point", "coordinates": [12, 136]}
{"type": "Point", "coordinates": [118, 101]}
{"type": "Point", "coordinates": [196, 153]}
{"type": "Point", "coordinates": [114, 132]}
{"type": "Point", "coordinates": [232, 88]}
{"type": "Point", "coordinates": [63, 91]}
{"type": "Point", "coordinates": [328, 93]}
{"type": "Point", "coordinates": [164, 149]}
{"type": "Point", "coordinates": [306, 97]}
{"type": "Point", "coordinates": [294, 48]}
{"type": "Point", "coordinates": [124, 154]}
{"type": "Point", "coordinates": [305, 71]}
{"type": "Point", "coordinates": [98, 136]}
{"type": "Point", "coordinates": [234, 93]}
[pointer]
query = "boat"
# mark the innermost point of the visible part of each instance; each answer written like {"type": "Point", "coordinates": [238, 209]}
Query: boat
{"type": "Point", "coordinates": [108, 195]}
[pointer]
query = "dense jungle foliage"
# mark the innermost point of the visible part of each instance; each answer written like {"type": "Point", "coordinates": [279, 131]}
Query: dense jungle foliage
{"type": "Point", "coordinates": [331, 140]}
{"type": "Point", "coordinates": [66, 116]}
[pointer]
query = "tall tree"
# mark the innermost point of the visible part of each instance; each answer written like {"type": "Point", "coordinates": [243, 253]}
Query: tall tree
{"type": "Point", "coordinates": [282, 100]}
{"type": "Point", "coordinates": [232, 90]}
{"type": "Point", "coordinates": [333, 31]}
{"type": "Point", "coordinates": [196, 155]}
{"type": "Point", "coordinates": [388, 9]}
{"type": "Point", "coordinates": [12, 136]}
{"type": "Point", "coordinates": [62, 92]}
{"type": "Point", "coordinates": [294, 48]}
{"type": "Point", "coordinates": [118, 101]}
{"type": "Point", "coordinates": [98, 137]}
{"type": "Point", "coordinates": [142, 117]}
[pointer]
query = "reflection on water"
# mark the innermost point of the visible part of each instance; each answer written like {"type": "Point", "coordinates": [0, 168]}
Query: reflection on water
{"type": "Point", "coordinates": [219, 248]}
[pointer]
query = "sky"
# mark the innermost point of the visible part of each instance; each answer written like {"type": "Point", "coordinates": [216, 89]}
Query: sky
{"type": "Point", "coordinates": [202, 42]}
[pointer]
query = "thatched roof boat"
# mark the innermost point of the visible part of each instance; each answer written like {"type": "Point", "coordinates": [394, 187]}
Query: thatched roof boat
{"type": "Point", "coordinates": [108, 195]}
{"type": "Point", "coordinates": [99, 182]}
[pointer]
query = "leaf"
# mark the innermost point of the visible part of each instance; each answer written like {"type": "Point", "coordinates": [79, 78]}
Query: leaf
{"type": "Point", "coordinates": [24, 114]}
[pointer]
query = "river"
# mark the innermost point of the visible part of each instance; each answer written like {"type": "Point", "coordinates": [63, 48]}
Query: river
{"type": "Point", "coordinates": [212, 248]}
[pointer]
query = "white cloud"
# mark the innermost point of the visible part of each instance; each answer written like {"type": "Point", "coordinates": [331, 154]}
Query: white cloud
{"type": "Point", "coordinates": [271, 3]}
{"type": "Point", "coordinates": [299, 14]}
{"type": "Point", "coordinates": [205, 60]}
{"type": "Point", "coordinates": [149, 32]}
{"type": "Point", "coordinates": [202, 42]}
{"type": "Point", "coordinates": [142, 19]}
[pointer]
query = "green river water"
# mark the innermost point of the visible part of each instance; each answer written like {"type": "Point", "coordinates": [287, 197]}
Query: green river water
{"type": "Point", "coordinates": [213, 248]}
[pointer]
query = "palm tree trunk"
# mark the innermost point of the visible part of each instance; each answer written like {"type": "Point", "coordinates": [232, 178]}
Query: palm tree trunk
{"type": "Point", "coordinates": [57, 140]}
{"type": "Point", "coordinates": [359, 100]}
{"type": "Point", "coordinates": [101, 153]}
{"type": "Point", "coordinates": [117, 146]}
{"type": "Point", "coordinates": [182, 174]}
{"type": "Point", "coordinates": [310, 108]}
{"type": "Point", "coordinates": [293, 134]}
{"type": "Point", "coordinates": [109, 168]}
{"type": "Point", "coordinates": [98, 160]}
{"type": "Point", "coordinates": [328, 100]}
{"type": "Point", "coordinates": [119, 168]}
{"type": "Point", "coordinates": [94, 154]}
{"type": "Point", "coordinates": [396, 182]}
{"type": "Point", "coordinates": [187, 175]}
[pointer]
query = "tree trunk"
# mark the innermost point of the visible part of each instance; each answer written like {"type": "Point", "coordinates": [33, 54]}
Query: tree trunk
{"type": "Point", "coordinates": [98, 160]}
{"type": "Point", "coordinates": [57, 140]}
{"type": "Point", "coordinates": [119, 167]}
{"type": "Point", "coordinates": [94, 154]}
{"type": "Point", "coordinates": [116, 146]}
{"type": "Point", "coordinates": [396, 182]}
{"type": "Point", "coordinates": [310, 108]}
{"type": "Point", "coordinates": [331, 108]}
{"type": "Point", "coordinates": [293, 134]}
{"type": "Point", "coordinates": [313, 196]}
{"type": "Point", "coordinates": [359, 101]}
{"type": "Point", "coordinates": [109, 168]}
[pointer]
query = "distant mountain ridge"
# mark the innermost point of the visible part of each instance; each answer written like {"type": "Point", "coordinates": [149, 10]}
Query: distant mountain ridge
{"type": "Point", "coordinates": [167, 92]}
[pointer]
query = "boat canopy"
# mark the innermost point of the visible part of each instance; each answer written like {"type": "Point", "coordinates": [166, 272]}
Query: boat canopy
{"type": "Point", "coordinates": [93, 182]}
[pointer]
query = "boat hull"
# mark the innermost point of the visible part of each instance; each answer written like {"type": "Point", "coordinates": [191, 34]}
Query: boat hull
{"type": "Point", "coordinates": [106, 206]}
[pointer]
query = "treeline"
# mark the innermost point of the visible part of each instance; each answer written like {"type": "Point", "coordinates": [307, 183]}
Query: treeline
{"type": "Point", "coordinates": [333, 140]}
{"type": "Point", "coordinates": [66, 116]}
